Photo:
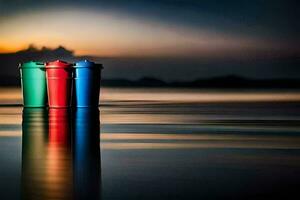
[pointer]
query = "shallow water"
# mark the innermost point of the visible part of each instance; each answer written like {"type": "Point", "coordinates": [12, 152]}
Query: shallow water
{"type": "Point", "coordinates": [153, 144]}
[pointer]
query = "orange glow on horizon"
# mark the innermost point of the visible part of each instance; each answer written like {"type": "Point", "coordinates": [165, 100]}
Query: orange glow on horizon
{"type": "Point", "coordinates": [112, 35]}
{"type": "Point", "coordinates": [12, 48]}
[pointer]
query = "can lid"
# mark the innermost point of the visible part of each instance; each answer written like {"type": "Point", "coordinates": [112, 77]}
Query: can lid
{"type": "Point", "coordinates": [32, 64]}
{"type": "Point", "coordinates": [87, 64]}
{"type": "Point", "coordinates": [58, 64]}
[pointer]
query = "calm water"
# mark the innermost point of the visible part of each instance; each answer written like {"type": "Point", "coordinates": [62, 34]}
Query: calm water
{"type": "Point", "coordinates": [153, 144]}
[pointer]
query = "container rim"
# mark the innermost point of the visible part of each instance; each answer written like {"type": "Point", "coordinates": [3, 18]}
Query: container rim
{"type": "Point", "coordinates": [89, 66]}
{"type": "Point", "coordinates": [39, 65]}
{"type": "Point", "coordinates": [63, 65]}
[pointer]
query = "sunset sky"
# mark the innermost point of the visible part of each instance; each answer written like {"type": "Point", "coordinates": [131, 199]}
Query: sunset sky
{"type": "Point", "coordinates": [150, 28]}
{"type": "Point", "coordinates": [187, 29]}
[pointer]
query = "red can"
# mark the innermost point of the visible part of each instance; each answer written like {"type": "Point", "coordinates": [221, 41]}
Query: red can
{"type": "Point", "coordinates": [59, 83]}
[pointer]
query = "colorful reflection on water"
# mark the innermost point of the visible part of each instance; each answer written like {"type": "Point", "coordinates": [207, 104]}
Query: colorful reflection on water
{"type": "Point", "coordinates": [60, 154]}
{"type": "Point", "coordinates": [154, 144]}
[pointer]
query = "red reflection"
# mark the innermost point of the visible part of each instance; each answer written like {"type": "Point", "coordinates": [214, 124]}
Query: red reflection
{"type": "Point", "coordinates": [59, 157]}
{"type": "Point", "coordinates": [59, 127]}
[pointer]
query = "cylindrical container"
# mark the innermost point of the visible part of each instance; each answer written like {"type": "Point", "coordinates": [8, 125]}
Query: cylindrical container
{"type": "Point", "coordinates": [33, 81]}
{"type": "Point", "coordinates": [59, 83]}
{"type": "Point", "coordinates": [87, 76]}
{"type": "Point", "coordinates": [86, 151]}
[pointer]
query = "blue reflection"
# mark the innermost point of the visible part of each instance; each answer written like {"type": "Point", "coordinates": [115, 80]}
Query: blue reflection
{"type": "Point", "coordinates": [87, 165]}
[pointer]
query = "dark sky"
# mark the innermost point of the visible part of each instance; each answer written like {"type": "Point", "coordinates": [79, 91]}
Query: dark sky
{"type": "Point", "coordinates": [278, 18]}
{"type": "Point", "coordinates": [177, 39]}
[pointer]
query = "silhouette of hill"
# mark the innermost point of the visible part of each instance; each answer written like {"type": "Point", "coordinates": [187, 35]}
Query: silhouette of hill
{"type": "Point", "coordinates": [10, 75]}
{"type": "Point", "coordinates": [10, 61]}
{"type": "Point", "coordinates": [231, 81]}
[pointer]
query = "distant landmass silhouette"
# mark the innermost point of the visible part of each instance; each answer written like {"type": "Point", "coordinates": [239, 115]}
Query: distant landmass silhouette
{"type": "Point", "coordinates": [231, 81]}
{"type": "Point", "coordinates": [10, 74]}
{"type": "Point", "coordinates": [9, 61]}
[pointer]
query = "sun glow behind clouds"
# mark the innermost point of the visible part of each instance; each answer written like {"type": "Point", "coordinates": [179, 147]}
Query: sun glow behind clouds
{"type": "Point", "coordinates": [114, 34]}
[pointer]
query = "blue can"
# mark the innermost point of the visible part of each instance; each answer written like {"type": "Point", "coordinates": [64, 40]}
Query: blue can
{"type": "Point", "coordinates": [87, 76]}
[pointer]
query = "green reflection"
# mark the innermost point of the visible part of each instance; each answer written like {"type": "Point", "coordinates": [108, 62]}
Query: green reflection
{"type": "Point", "coordinates": [60, 161]}
{"type": "Point", "coordinates": [34, 152]}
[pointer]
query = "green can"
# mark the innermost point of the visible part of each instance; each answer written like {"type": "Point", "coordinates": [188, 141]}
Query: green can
{"type": "Point", "coordinates": [33, 81]}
